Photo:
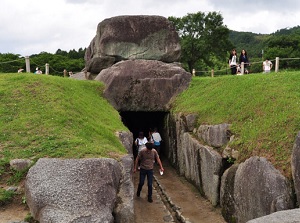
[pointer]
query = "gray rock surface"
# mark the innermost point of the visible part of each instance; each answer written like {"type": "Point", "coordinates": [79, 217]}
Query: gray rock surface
{"type": "Point", "coordinates": [132, 37]}
{"type": "Point", "coordinates": [126, 139]}
{"type": "Point", "coordinates": [200, 164]}
{"type": "Point", "coordinates": [259, 190]}
{"type": "Point", "coordinates": [214, 135]}
{"type": "Point", "coordinates": [124, 209]}
{"type": "Point", "coordinates": [73, 190]}
{"type": "Point", "coordinates": [227, 193]}
{"type": "Point", "coordinates": [289, 216]}
{"type": "Point", "coordinates": [190, 121]}
{"type": "Point", "coordinates": [295, 162]}
{"type": "Point", "coordinates": [211, 166]}
{"type": "Point", "coordinates": [20, 164]}
{"type": "Point", "coordinates": [248, 190]}
{"type": "Point", "coordinates": [143, 85]}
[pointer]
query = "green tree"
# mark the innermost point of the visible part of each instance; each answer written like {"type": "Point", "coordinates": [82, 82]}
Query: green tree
{"type": "Point", "coordinates": [203, 38]}
{"type": "Point", "coordinates": [10, 63]}
{"type": "Point", "coordinates": [287, 48]}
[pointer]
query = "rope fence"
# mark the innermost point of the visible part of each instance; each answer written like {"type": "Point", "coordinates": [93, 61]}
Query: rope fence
{"type": "Point", "coordinates": [194, 72]}
{"type": "Point", "coordinates": [29, 62]}
{"type": "Point", "coordinates": [11, 61]}
{"type": "Point", "coordinates": [242, 67]}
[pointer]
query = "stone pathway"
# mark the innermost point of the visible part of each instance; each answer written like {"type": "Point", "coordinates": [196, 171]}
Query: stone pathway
{"type": "Point", "coordinates": [175, 200]}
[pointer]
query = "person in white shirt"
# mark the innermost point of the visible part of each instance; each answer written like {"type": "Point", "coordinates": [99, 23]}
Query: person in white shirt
{"type": "Point", "coordinates": [233, 62]}
{"type": "Point", "coordinates": [267, 66]}
{"type": "Point", "coordinates": [140, 142]}
{"type": "Point", "coordinates": [156, 138]}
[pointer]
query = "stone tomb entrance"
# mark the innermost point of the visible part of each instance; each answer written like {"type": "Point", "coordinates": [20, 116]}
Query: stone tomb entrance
{"type": "Point", "coordinates": [142, 122]}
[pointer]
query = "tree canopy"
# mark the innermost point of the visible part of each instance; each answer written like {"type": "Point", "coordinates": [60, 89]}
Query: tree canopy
{"type": "Point", "coordinates": [71, 61]}
{"type": "Point", "coordinates": [205, 43]}
{"type": "Point", "coordinates": [204, 39]}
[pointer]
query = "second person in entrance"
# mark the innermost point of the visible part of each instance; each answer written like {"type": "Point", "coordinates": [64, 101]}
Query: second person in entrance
{"type": "Point", "coordinates": [156, 140]}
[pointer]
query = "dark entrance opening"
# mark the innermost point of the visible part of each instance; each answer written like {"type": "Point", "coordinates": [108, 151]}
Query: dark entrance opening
{"type": "Point", "coordinates": [142, 122]}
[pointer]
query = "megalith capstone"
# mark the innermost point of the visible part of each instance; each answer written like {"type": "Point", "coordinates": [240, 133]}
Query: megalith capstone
{"type": "Point", "coordinates": [143, 85]}
{"type": "Point", "coordinates": [132, 37]}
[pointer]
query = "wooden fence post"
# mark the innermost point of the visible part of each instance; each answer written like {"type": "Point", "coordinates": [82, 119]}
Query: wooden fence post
{"type": "Point", "coordinates": [242, 68]}
{"type": "Point", "coordinates": [65, 72]}
{"type": "Point", "coordinates": [27, 63]}
{"type": "Point", "coordinates": [212, 73]}
{"type": "Point", "coordinates": [277, 65]}
{"type": "Point", "coordinates": [47, 69]}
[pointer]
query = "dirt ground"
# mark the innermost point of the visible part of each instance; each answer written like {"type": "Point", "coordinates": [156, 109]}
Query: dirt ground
{"type": "Point", "coordinates": [16, 211]}
{"type": "Point", "coordinates": [190, 204]}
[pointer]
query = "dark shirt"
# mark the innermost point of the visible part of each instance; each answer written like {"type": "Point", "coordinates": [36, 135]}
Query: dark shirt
{"type": "Point", "coordinates": [147, 158]}
{"type": "Point", "coordinates": [244, 58]}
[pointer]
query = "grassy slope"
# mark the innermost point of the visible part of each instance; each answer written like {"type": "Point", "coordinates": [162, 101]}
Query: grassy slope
{"type": "Point", "coordinates": [47, 116]}
{"type": "Point", "coordinates": [264, 111]}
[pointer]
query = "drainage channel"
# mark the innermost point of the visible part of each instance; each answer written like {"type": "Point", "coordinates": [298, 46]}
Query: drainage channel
{"type": "Point", "coordinates": [175, 214]}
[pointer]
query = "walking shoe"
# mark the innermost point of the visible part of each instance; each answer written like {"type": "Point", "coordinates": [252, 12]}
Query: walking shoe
{"type": "Point", "coordinates": [138, 193]}
{"type": "Point", "coordinates": [150, 200]}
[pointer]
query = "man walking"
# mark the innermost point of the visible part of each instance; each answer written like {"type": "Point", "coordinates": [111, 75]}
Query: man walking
{"type": "Point", "coordinates": [147, 156]}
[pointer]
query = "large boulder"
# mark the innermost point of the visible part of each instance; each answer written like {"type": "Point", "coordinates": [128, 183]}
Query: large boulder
{"type": "Point", "coordinates": [259, 190]}
{"type": "Point", "coordinates": [124, 209]}
{"type": "Point", "coordinates": [132, 37]}
{"type": "Point", "coordinates": [289, 216]}
{"type": "Point", "coordinates": [295, 163]}
{"type": "Point", "coordinates": [226, 193]}
{"type": "Point", "coordinates": [214, 135]}
{"type": "Point", "coordinates": [202, 165]}
{"type": "Point", "coordinates": [211, 170]}
{"type": "Point", "coordinates": [78, 190]}
{"type": "Point", "coordinates": [143, 85]}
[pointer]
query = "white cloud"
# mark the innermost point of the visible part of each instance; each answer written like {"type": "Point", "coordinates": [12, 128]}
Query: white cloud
{"type": "Point", "coordinates": [32, 26]}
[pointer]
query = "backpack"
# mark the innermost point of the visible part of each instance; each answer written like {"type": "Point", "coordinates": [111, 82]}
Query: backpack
{"type": "Point", "coordinates": [156, 143]}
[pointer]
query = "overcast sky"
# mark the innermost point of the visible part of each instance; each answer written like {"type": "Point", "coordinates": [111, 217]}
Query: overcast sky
{"type": "Point", "coordinates": [32, 26]}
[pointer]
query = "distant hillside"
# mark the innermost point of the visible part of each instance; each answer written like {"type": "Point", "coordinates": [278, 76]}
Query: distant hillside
{"type": "Point", "coordinates": [253, 43]}
{"type": "Point", "coordinates": [282, 43]}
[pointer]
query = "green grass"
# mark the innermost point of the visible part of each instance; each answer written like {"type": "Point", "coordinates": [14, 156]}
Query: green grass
{"type": "Point", "coordinates": [264, 111]}
{"type": "Point", "coordinates": [5, 196]}
{"type": "Point", "coordinates": [47, 116]}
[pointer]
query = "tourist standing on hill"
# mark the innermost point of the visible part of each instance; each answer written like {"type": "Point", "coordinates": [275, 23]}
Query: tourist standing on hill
{"type": "Point", "coordinates": [244, 58]}
{"type": "Point", "coordinates": [267, 66]}
{"type": "Point", "coordinates": [147, 157]}
{"type": "Point", "coordinates": [156, 139]}
{"type": "Point", "coordinates": [233, 62]}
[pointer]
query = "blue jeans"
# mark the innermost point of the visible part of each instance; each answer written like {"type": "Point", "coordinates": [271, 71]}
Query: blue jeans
{"type": "Point", "coordinates": [143, 174]}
